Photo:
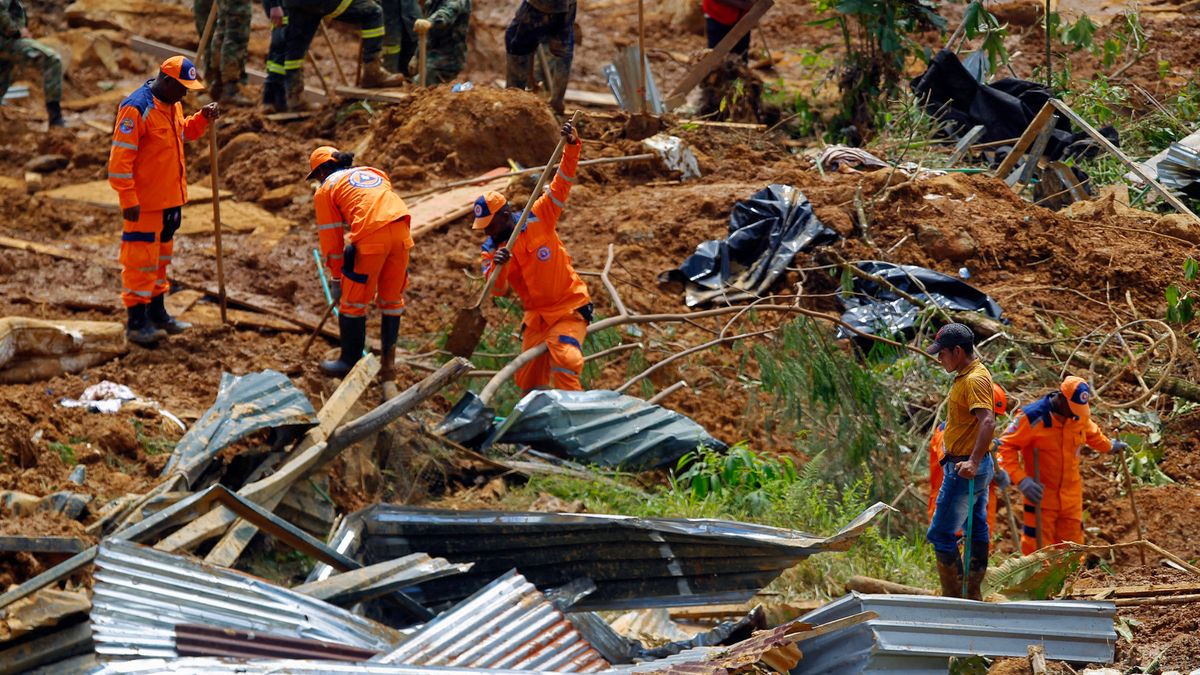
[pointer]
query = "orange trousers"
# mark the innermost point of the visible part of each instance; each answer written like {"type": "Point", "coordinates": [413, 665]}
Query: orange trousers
{"type": "Point", "coordinates": [561, 367]}
{"type": "Point", "coordinates": [146, 247]}
{"type": "Point", "coordinates": [379, 272]}
{"type": "Point", "coordinates": [1058, 525]}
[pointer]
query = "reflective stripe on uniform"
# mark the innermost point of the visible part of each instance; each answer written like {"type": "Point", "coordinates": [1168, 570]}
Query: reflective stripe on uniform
{"type": "Point", "coordinates": [335, 256]}
{"type": "Point", "coordinates": [275, 67]}
{"type": "Point", "coordinates": [563, 370]}
{"type": "Point", "coordinates": [391, 49]}
{"type": "Point", "coordinates": [392, 312]}
{"type": "Point", "coordinates": [555, 200]}
{"type": "Point", "coordinates": [123, 144]}
{"type": "Point", "coordinates": [569, 179]}
{"type": "Point", "coordinates": [342, 7]}
{"type": "Point", "coordinates": [293, 64]}
{"type": "Point", "coordinates": [353, 304]}
{"type": "Point", "coordinates": [144, 294]}
{"type": "Point", "coordinates": [369, 33]}
{"type": "Point", "coordinates": [330, 226]}
{"type": "Point", "coordinates": [120, 175]}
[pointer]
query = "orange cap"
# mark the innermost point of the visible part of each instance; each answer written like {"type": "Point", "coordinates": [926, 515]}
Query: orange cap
{"type": "Point", "coordinates": [1079, 396]}
{"type": "Point", "coordinates": [183, 70]}
{"type": "Point", "coordinates": [485, 207]}
{"type": "Point", "coordinates": [999, 399]}
{"type": "Point", "coordinates": [318, 157]}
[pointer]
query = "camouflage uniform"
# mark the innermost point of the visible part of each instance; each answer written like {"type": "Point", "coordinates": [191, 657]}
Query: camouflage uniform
{"type": "Point", "coordinates": [18, 52]}
{"type": "Point", "coordinates": [538, 22]}
{"type": "Point", "coordinates": [399, 40]}
{"type": "Point", "coordinates": [225, 59]}
{"type": "Point", "coordinates": [447, 47]}
{"type": "Point", "coordinates": [274, 92]}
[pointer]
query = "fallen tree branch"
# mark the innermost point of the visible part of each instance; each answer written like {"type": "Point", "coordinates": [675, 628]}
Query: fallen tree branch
{"type": "Point", "coordinates": [679, 355]}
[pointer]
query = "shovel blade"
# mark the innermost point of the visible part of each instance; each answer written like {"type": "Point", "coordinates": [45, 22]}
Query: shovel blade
{"type": "Point", "coordinates": [467, 331]}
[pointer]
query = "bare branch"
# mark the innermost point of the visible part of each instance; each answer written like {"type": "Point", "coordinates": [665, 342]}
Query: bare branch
{"type": "Point", "coordinates": [678, 355]}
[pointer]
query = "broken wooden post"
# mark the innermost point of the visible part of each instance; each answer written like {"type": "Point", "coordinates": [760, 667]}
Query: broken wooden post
{"type": "Point", "coordinates": [1031, 132]}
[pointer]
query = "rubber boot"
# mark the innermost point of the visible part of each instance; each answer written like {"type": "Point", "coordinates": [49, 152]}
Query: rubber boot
{"type": "Point", "coordinates": [274, 95]}
{"type": "Point", "coordinates": [950, 573]}
{"type": "Point", "coordinates": [294, 90]}
{"type": "Point", "coordinates": [354, 335]}
{"type": "Point", "coordinates": [975, 574]}
{"type": "Point", "coordinates": [139, 330]}
{"type": "Point", "coordinates": [516, 74]}
{"type": "Point", "coordinates": [157, 314]}
{"type": "Point", "coordinates": [54, 114]}
{"type": "Point", "coordinates": [374, 76]}
{"type": "Point", "coordinates": [232, 95]}
{"type": "Point", "coordinates": [390, 331]}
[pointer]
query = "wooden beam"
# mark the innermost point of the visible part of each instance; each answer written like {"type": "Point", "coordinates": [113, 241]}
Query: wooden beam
{"type": "Point", "coordinates": [701, 70]}
{"type": "Point", "coordinates": [1132, 165]}
{"type": "Point", "coordinates": [378, 95]}
{"type": "Point", "coordinates": [1026, 139]}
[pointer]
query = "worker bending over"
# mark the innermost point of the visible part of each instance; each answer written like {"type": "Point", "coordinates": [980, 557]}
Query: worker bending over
{"type": "Point", "coordinates": [1040, 450]}
{"type": "Point", "coordinates": [146, 168]}
{"type": "Point", "coordinates": [937, 452]}
{"type": "Point", "coordinates": [557, 305]}
{"type": "Point", "coordinates": [374, 264]}
{"type": "Point", "coordinates": [966, 466]}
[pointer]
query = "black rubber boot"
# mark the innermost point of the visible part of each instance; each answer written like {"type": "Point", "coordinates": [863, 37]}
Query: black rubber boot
{"type": "Point", "coordinates": [353, 330]}
{"type": "Point", "coordinates": [54, 113]}
{"type": "Point", "coordinates": [275, 94]}
{"type": "Point", "coordinates": [975, 574]}
{"type": "Point", "coordinates": [950, 573]}
{"type": "Point", "coordinates": [388, 334]}
{"type": "Point", "coordinates": [156, 312]}
{"type": "Point", "coordinates": [139, 330]}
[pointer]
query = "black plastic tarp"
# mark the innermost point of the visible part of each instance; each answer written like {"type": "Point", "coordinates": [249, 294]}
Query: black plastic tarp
{"type": "Point", "coordinates": [766, 232]}
{"type": "Point", "coordinates": [1004, 107]}
{"type": "Point", "coordinates": [876, 309]}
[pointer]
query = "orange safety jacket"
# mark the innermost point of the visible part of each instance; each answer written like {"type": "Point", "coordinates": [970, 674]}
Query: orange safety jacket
{"type": "Point", "coordinates": [1058, 440]}
{"type": "Point", "coordinates": [540, 270]}
{"type": "Point", "coordinates": [359, 199]}
{"type": "Point", "coordinates": [145, 165]}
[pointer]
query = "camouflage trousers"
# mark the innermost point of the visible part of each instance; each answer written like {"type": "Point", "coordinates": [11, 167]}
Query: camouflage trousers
{"type": "Point", "coordinates": [399, 40]}
{"type": "Point", "coordinates": [25, 53]}
{"type": "Point", "coordinates": [225, 59]}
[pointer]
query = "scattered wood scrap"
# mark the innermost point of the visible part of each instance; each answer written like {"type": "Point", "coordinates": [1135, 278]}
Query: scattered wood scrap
{"type": "Point", "coordinates": [435, 211]}
{"type": "Point", "coordinates": [33, 349]}
{"type": "Point", "coordinates": [100, 194]}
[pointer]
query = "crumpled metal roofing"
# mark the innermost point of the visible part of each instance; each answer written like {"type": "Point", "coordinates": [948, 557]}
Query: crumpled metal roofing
{"type": "Point", "coordinates": [919, 633]}
{"type": "Point", "coordinates": [722, 660]}
{"type": "Point", "coordinates": [622, 76]}
{"type": "Point", "coordinates": [244, 405]}
{"type": "Point", "coordinates": [141, 595]}
{"type": "Point", "coordinates": [634, 562]}
{"type": "Point", "coordinates": [604, 428]}
{"type": "Point", "coordinates": [507, 624]}
{"type": "Point", "coordinates": [1180, 168]}
{"type": "Point", "coordinates": [206, 665]}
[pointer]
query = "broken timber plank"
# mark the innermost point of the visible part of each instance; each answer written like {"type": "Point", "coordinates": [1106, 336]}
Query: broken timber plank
{"type": "Point", "coordinates": [16, 544]}
{"type": "Point", "coordinates": [263, 490]}
{"type": "Point", "coordinates": [1136, 591]}
{"type": "Point", "coordinates": [1031, 132]}
{"type": "Point", "coordinates": [378, 95]}
{"type": "Point", "coordinates": [1132, 165]}
{"type": "Point", "coordinates": [432, 213]}
{"type": "Point", "coordinates": [701, 70]}
{"type": "Point", "coordinates": [46, 649]}
{"type": "Point", "coordinates": [235, 217]}
{"type": "Point", "coordinates": [1034, 157]}
{"type": "Point", "coordinates": [100, 194]}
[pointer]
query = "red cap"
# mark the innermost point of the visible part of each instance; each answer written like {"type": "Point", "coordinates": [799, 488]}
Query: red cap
{"type": "Point", "coordinates": [486, 207]}
{"type": "Point", "coordinates": [318, 157]}
{"type": "Point", "coordinates": [184, 72]}
{"type": "Point", "coordinates": [1079, 396]}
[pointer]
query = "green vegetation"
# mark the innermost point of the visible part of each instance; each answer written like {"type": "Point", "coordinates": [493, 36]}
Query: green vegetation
{"type": "Point", "coordinates": [151, 445]}
{"type": "Point", "coordinates": [65, 452]}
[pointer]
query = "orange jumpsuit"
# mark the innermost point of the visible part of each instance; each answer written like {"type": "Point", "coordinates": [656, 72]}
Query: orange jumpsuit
{"type": "Point", "coordinates": [145, 167]}
{"type": "Point", "coordinates": [937, 451]}
{"type": "Point", "coordinates": [361, 200]}
{"type": "Point", "coordinates": [1058, 441]}
{"type": "Point", "coordinates": [540, 272]}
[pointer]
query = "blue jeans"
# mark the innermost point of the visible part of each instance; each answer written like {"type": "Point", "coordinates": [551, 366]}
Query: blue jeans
{"type": "Point", "coordinates": [950, 514]}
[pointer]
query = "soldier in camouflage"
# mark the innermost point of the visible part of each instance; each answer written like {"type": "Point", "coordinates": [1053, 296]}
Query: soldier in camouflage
{"type": "Point", "coordinates": [447, 26]}
{"type": "Point", "coordinates": [225, 59]}
{"type": "Point", "coordinates": [18, 50]}
{"type": "Point", "coordinates": [538, 22]}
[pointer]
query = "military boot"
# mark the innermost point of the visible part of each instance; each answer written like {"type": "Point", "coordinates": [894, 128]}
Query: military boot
{"type": "Point", "coordinates": [950, 574]}
{"type": "Point", "coordinates": [232, 95]}
{"type": "Point", "coordinates": [139, 330]}
{"type": "Point", "coordinates": [157, 314]}
{"type": "Point", "coordinates": [54, 114]}
{"type": "Point", "coordinates": [353, 331]}
{"type": "Point", "coordinates": [274, 94]}
{"type": "Point", "coordinates": [374, 76]}
{"type": "Point", "coordinates": [975, 573]}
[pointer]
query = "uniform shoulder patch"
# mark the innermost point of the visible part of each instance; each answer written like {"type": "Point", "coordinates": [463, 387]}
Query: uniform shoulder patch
{"type": "Point", "coordinates": [126, 126]}
{"type": "Point", "coordinates": [365, 179]}
{"type": "Point", "coordinates": [543, 253]}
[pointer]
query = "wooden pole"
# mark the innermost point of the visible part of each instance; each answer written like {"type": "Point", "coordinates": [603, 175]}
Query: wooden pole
{"type": "Point", "coordinates": [1037, 476]}
{"type": "Point", "coordinates": [215, 179]}
{"type": "Point", "coordinates": [1137, 518]}
{"type": "Point", "coordinates": [206, 36]}
{"type": "Point", "coordinates": [312, 336]}
{"type": "Point", "coordinates": [421, 43]}
{"type": "Point", "coordinates": [1049, 81]}
{"type": "Point", "coordinates": [312, 60]}
{"type": "Point", "coordinates": [641, 57]}
{"type": "Point", "coordinates": [336, 61]}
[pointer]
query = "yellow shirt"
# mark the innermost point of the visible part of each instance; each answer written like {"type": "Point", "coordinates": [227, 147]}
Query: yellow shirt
{"type": "Point", "coordinates": [971, 391]}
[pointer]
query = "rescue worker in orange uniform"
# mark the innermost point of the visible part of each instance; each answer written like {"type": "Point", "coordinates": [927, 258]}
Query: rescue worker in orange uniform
{"type": "Point", "coordinates": [1058, 425]}
{"type": "Point", "coordinates": [145, 167]}
{"type": "Point", "coordinates": [538, 268]}
{"type": "Point", "coordinates": [374, 264]}
{"type": "Point", "coordinates": [937, 452]}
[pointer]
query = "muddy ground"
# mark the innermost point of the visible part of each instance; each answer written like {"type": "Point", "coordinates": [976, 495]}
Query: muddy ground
{"type": "Point", "coordinates": [1058, 275]}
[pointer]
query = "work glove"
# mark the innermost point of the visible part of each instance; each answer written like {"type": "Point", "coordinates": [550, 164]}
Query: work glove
{"type": "Point", "coordinates": [335, 291]}
{"type": "Point", "coordinates": [568, 132]}
{"type": "Point", "coordinates": [422, 26]}
{"type": "Point", "coordinates": [1118, 446]}
{"type": "Point", "coordinates": [276, 16]}
{"type": "Point", "coordinates": [1031, 489]}
{"type": "Point", "coordinates": [211, 111]}
{"type": "Point", "coordinates": [502, 256]}
{"type": "Point", "coordinates": [1002, 479]}
{"type": "Point", "coordinates": [132, 214]}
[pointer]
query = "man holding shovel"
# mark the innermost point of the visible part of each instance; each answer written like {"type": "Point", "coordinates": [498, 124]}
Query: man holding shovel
{"type": "Point", "coordinates": [966, 466]}
{"type": "Point", "coordinates": [538, 268]}
{"type": "Point", "coordinates": [1053, 429]}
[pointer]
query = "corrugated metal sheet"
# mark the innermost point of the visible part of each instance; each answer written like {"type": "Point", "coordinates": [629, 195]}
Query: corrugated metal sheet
{"type": "Point", "coordinates": [141, 595]}
{"type": "Point", "coordinates": [217, 666]}
{"type": "Point", "coordinates": [603, 428]}
{"type": "Point", "coordinates": [193, 640]}
{"type": "Point", "coordinates": [623, 81]}
{"type": "Point", "coordinates": [507, 624]}
{"type": "Point", "coordinates": [244, 405]}
{"type": "Point", "coordinates": [634, 562]}
{"type": "Point", "coordinates": [918, 634]}
{"type": "Point", "coordinates": [1180, 168]}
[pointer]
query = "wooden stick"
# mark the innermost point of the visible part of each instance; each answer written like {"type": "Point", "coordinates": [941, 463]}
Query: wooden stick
{"type": "Point", "coordinates": [521, 172]}
{"type": "Point", "coordinates": [336, 61]}
{"type": "Point", "coordinates": [313, 336]}
{"type": "Point", "coordinates": [717, 54]}
{"type": "Point", "coordinates": [667, 392]}
{"type": "Point", "coordinates": [1037, 476]}
{"type": "Point", "coordinates": [206, 36]}
{"type": "Point", "coordinates": [1159, 600]}
{"type": "Point", "coordinates": [422, 42]}
{"type": "Point", "coordinates": [1023, 143]}
{"type": "Point", "coordinates": [641, 81]}
{"type": "Point", "coordinates": [1171, 556]}
{"type": "Point", "coordinates": [312, 60]}
{"type": "Point", "coordinates": [1137, 518]}
{"type": "Point", "coordinates": [215, 178]}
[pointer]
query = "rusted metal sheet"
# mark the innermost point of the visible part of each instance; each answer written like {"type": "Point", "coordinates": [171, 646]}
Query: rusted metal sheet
{"type": "Point", "coordinates": [197, 640]}
{"type": "Point", "coordinates": [217, 666]}
{"type": "Point", "coordinates": [507, 624]}
{"type": "Point", "coordinates": [634, 562]}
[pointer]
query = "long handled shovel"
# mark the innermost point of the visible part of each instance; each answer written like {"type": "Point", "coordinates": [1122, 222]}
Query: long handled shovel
{"type": "Point", "coordinates": [206, 36]}
{"type": "Point", "coordinates": [421, 70]}
{"type": "Point", "coordinates": [967, 543]}
{"type": "Point", "coordinates": [215, 178]}
{"type": "Point", "coordinates": [470, 322]}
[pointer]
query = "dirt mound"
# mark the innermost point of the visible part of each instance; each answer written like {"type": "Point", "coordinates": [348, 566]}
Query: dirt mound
{"type": "Point", "coordinates": [467, 132]}
{"type": "Point", "coordinates": [1172, 630]}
